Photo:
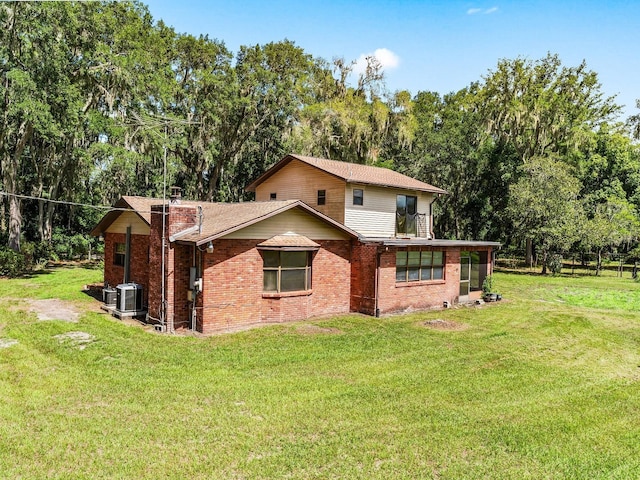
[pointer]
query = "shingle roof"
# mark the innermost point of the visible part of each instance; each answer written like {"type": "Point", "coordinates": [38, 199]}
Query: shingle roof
{"type": "Point", "coordinates": [140, 205]}
{"type": "Point", "coordinates": [352, 173]}
{"type": "Point", "coordinates": [289, 239]}
{"type": "Point", "coordinates": [219, 219]}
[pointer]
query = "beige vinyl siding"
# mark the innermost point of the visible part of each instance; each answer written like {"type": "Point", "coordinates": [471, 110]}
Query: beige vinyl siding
{"type": "Point", "coordinates": [295, 221]}
{"type": "Point", "coordinates": [129, 219]}
{"type": "Point", "coordinates": [377, 216]}
{"type": "Point", "coordinates": [300, 181]}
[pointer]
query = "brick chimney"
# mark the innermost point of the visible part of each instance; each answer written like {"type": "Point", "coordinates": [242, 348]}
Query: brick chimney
{"type": "Point", "coordinates": [178, 217]}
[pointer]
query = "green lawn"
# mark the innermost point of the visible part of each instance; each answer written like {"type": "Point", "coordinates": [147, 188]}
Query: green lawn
{"type": "Point", "coordinates": [544, 384]}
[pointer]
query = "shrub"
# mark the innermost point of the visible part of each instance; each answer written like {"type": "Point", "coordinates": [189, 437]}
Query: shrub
{"type": "Point", "coordinates": [555, 263]}
{"type": "Point", "coordinates": [487, 284]}
{"type": "Point", "coordinates": [69, 247]}
{"type": "Point", "coordinates": [12, 263]}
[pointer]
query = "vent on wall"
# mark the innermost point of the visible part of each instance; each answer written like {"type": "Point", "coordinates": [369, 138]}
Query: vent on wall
{"type": "Point", "coordinates": [129, 297]}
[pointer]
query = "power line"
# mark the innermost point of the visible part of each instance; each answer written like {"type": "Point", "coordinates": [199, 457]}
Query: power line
{"type": "Point", "coordinates": [76, 204]}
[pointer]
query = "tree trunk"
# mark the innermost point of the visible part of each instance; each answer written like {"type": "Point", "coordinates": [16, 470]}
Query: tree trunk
{"type": "Point", "coordinates": [15, 223]}
{"type": "Point", "coordinates": [41, 219]}
{"type": "Point", "coordinates": [10, 177]}
{"type": "Point", "coordinates": [545, 257]}
{"type": "Point", "coordinates": [529, 253]}
{"type": "Point", "coordinates": [3, 210]}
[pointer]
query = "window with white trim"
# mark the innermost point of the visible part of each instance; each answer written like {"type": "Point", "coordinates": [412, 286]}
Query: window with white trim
{"type": "Point", "coordinates": [358, 196]}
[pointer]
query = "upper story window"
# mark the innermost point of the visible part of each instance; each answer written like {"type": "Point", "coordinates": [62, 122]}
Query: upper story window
{"type": "Point", "coordinates": [286, 271]}
{"type": "Point", "coordinates": [358, 196]}
{"type": "Point", "coordinates": [272, 196]}
{"type": "Point", "coordinates": [406, 210]}
{"type": "Point", "coordinates": [419, 265]}
{"type": "Point", "coordinates": [322, 197]}
{"type": "Point", "coordinates": [119, 254]}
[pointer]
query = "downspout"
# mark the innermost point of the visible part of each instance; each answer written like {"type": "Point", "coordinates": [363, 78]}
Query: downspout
{"type": "Point", "coordinates": [163, 303]}
{"type": "Point", "coordinates": [127, 256]}
{"type": "Point", "coordinates": [431, 235]}
{"type": "Point", "coordinates": [195, 290]}
{"type": "Point", "coordinates": [377, 283]}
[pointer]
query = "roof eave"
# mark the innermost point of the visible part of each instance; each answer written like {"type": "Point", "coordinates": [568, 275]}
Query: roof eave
{"type": "Point", "coordinates": [284, 208]}
{"type": "Point", "coordinates": [119, 207]}
{"type": "Point", "coordinates": [386, 185]}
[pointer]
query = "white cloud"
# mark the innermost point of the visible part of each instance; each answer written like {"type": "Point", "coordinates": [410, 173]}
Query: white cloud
{"type": "Point", "coordinates": [484, 11]}
{"type": "Point", "coordinates": [388, 60]}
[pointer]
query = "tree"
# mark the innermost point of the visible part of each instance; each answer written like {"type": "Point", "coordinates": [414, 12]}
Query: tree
{"type": "Point", "coordinates": [542, 107]}
{"type": "Point", "coordinates": [204, 88]}
{"type": "Point", "coordinates": [62, 65]}
{"type": "Point", "coordinates": [613, 223]}
{"type": "Point", "coordinates": [346, 123]}
{"type": "Point", "coordinates": [544, 206]}
{"type": "Point", "coordinates": [634, 123]}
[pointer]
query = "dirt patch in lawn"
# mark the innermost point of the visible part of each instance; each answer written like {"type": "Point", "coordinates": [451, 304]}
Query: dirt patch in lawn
{"type": "Point", "coordinates": [54, 309]}
{"type": "Point", "coordinates": [7, 342]}
{"type": "Point", "coordinates": [310, 329]}
{"type": "Point", "coordinates": [439, 324]}
{"type": "Point", "coordinates": [77, 340]}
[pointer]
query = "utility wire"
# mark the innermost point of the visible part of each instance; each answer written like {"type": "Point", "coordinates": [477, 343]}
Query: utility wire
{"type": "Point", "coordinates": [76, 204]}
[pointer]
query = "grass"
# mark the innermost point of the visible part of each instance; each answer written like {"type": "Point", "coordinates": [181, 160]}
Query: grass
{"type": "Point", "coordinates": [542, 385]}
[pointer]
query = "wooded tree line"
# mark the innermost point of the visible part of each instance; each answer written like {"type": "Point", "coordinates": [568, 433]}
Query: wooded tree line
{"type": "Point", "coordinates": [95, 96]}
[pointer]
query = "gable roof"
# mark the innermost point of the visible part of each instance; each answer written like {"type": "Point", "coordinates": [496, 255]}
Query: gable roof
{"type": "Point", "coordinates": [218, 219]}
{"type": "Point", "coordinates": [141, 206]}
{"type": "Point", "coordinates": [351, 173]}
{"type": "Point", "coordinates": [289, 240]}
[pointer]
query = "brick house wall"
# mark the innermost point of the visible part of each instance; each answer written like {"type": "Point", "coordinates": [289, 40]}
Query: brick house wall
{"type": "Point", "coordinates": [182, 262]}
{"type": "Point", "coordinates": [363, 278]}
{"type": "Point", "coordinates": [233, 286]}
{"type": "Point", "coordinates": [139, 261]}
{"type": "Point", "coordinates": [400, 296]}
{"type": "Point", "coordinates": [178, 260]}
{"type": "Point", "coordinates": [396, 297]}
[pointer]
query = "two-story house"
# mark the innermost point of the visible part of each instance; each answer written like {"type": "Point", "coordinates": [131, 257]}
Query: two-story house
{"type": "Point", "coordinates": [322, 238]}
{"type": "Point", "coordinates": [397, 263]}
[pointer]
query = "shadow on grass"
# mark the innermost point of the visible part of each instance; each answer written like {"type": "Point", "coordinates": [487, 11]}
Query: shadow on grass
{"type": "Point", "coordinates": [95, 293]}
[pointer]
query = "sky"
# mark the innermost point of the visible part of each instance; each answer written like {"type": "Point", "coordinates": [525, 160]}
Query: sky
{"type": "Point", "coordinates": [429, 45]}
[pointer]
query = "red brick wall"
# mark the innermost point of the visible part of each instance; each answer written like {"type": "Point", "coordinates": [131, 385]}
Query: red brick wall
{"type": "Point", "coordinates": [363, 278]}
{"type": "Point", "coordinates": [233, 286]}
{"type": "Point", "coordinates": [180, 217]}
{"type": "Point", "coordinates": [155, 262]}
{"type": "Point", "coordinates": [395, 297]}
{"type": "Point", "coordinates": [182, 262]}
{"type": "Point", "coordinates": [139, 263]}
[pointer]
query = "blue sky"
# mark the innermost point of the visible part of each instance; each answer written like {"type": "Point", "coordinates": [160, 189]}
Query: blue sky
{"type": "Point", "coordinates": [439, 46]}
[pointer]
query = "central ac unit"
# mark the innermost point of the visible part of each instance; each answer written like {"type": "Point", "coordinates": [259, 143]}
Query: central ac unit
{"type": "Point", "coordinates": [129, 297]}
{"type": "Point", "coordinates": [109, 295]}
